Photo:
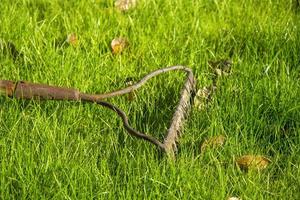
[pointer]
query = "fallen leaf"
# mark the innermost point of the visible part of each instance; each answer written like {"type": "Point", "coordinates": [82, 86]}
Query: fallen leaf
{"type": "Point", "coordinates": [218, 72]}
{"type": "Point", "coordinates": [125, 5]}
{"type": "Point", "coordinates": [253, 162]}
{"type": "Point", "coordinates": [234, 198]}
{"type": "Point", "coordinates": [72, 39]}
{"type": "Point", "coordinates": [213, 142]}
{"type": "Point", "coordinates": [221, 67]}
{"type": "Point", "coordinates": [203, 96]}
{"type": "Point", "coordinates": [129, 81]}
{"type": "Point", "coordinates": [118, 45]}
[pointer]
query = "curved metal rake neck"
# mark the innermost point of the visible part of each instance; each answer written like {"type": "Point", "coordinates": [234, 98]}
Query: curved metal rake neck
{"type": "Point", "coordinates": [26, 90]}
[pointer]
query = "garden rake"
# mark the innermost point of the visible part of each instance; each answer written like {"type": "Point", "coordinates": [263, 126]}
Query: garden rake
{"type": "Point", "coordinates": [35, 91]}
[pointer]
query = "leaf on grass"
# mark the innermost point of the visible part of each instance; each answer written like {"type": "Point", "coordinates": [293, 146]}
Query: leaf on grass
{"type": "Point", "coordinates": [118, 45]}
{"type": "Point", "coordinates": [213, 142]}
{"type": "Point", "coordinates": [72, 40]}
{"type": "Point", "coordinates": [253, 162]}
{"type": "Point", "coordinates": [234, 198]}
{"type": "Point", "coordinates": [203, 96]}
{"type": "Point", "coordinates": [221, 67]}
{"type": "Point", "coordinates": [125, 5]}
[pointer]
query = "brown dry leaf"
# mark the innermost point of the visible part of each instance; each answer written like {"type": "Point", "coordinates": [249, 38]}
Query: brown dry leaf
{"type": "Point", "coordinates": [72, 39]}
{"type": "Point", "coordinates": [221, 67]}
{"type": "Point", "coordinates": [213, 142]}
{"type": "Point", "coordinates": [202, 97]}
{"type": "Point", "coordinates": [125, 5]}
{"type": "Point", "coordinates": [118, 45]}
{"type": "Point", "coordinates": [253, 162]}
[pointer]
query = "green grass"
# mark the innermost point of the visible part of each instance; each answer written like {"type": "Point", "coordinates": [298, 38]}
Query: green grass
{"type": "Point", "coordinates": [69, 150]}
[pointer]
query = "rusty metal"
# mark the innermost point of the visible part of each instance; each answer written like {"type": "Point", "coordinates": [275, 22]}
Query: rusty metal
{"type": "Point", "coordinates": [27, 90]}
{"type": "Point", "coordinates": [7, 87]}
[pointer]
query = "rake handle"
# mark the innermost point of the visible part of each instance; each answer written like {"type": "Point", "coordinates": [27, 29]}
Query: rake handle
{"type": "Point", "coordinates": [27, 90]}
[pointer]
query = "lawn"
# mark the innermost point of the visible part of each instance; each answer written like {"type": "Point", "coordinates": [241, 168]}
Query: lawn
{"type": "Point", "coordinates": [73, 150]}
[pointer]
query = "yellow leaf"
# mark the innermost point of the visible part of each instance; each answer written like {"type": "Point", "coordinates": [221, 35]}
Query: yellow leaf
{"type": "Point", "coordinates": [202, 97]}
{"type": "Point", "coordinates": [72, 39]}
{"type": "Point", "coordinates": [125, 5]}
{"type": "Point", "coordinates": [213, 142]}
{"type": "Point", "coordinates": [118, 45]}
{"type": "Point", "coordinates": [234, 198]}
{"type": "Point", "coordinates": [253, 162]}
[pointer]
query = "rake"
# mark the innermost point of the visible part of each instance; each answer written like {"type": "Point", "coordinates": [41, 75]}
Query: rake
{"type": "Point", "coordinates": [36, 91]}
